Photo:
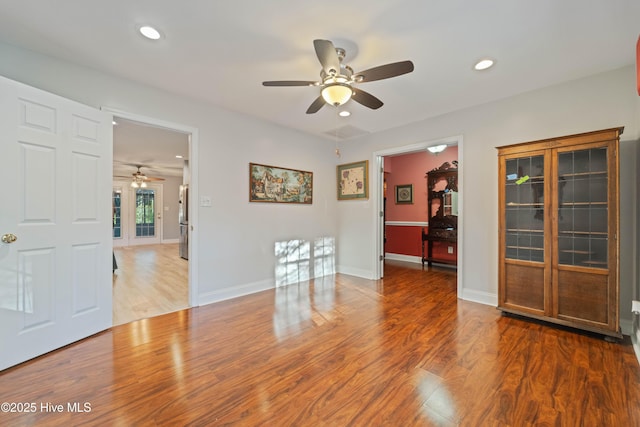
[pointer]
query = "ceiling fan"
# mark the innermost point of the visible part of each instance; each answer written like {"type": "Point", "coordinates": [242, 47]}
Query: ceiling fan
{"type": "Point", "coordinates": [337, 80]}
{"type": "Point", "coordinates": [139, 179]}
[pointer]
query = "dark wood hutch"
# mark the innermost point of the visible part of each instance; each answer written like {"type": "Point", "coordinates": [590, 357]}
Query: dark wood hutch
{"type": "Point", "coordinates": [442, 203]}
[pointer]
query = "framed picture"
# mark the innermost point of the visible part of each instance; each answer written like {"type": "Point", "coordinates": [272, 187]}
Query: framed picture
{"type": "Point", "coordinates": [404, 194]}
{"type": "Point", "coordinates": [272, 184]}
{"type": "Point", "coordinates": [353, 180]}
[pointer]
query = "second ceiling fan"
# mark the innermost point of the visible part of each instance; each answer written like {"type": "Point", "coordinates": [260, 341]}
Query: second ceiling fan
{"type": "Point", "coordinates": [139, 179]}
{"type": "Point", "coordinates": [337, 80]}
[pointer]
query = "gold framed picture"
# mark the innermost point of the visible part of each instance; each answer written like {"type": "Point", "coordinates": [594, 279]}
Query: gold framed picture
{"type": "Point", "coordinates": [272, 184]}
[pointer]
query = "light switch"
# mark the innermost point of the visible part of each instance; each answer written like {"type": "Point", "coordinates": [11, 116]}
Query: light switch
{"type": "Point", "coordinates": [205, 201]}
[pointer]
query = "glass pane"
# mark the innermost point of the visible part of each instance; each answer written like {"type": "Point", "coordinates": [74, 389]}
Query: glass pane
{"type": "Point", "coordinates": [582, 208]}
{"type": "Point", "coordinates": [599, 160]}
{"type": "Point", "coordinates": [598, 189]}
{"type": "Point", "coordinates": [524, 215]}
{"type": "Point", "coordinates": [117, 214]}
{"type": "Point", "coordinates": [598, 220]}
{"type": "Point", "coordinates": [145, 213]}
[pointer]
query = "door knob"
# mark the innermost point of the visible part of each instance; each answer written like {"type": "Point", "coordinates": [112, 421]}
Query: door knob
{"type": "Point", "coordinates": [9, 238]}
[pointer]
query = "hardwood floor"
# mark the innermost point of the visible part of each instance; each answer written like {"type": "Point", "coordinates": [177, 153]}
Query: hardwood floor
{"type": "Point", "coordinates": [337, 351]}
{"type": "Point", "coordinates": [150, 280]}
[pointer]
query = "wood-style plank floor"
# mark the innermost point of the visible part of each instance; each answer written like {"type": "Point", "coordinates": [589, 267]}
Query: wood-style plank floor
{"type": "Point", "coordinates": [337, 351]}
{"type": "Point", "coordinates": [150, 280]}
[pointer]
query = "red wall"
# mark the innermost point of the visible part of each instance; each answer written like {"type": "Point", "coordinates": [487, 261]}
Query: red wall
{"type": "Point", "coordinates": [412, 169]}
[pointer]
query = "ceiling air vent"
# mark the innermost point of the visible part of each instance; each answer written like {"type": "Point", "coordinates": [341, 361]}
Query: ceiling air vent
{"type": "Point", "coordinates": [346, 132]}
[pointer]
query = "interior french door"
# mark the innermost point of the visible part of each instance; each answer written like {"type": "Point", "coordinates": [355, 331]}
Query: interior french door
{"type": "Point", "coordinates": [55, 227]}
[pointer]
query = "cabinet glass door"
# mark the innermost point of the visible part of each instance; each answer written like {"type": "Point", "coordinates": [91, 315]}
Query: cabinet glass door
{"type": "Point", "coordinates": [582, 208]}
{"type": "Point", "coordinates": [524, 208]}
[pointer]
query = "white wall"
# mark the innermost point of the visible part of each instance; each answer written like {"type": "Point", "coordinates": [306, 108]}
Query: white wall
{"type": "Point", "coordinates": [170, 194]}
{"type": "Point", "coordinates": [598, 102]}
{"type": "Point", "coordinates": [235, 238]}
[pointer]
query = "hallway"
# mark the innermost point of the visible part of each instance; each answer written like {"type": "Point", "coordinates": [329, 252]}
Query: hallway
{"type": "Point", "coordinates": [150, 280]}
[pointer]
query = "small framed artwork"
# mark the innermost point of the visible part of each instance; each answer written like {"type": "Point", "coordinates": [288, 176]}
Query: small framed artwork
{"type": "Point", "coordinates": [404, 194]}
{"type": "Point", "coordinates": [353, 180]}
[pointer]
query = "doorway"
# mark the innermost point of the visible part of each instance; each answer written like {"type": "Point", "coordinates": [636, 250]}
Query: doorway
{"type": "Point", "coordinates": [145, 230]}
{"type": "Point", "coordinates": [379, 199]}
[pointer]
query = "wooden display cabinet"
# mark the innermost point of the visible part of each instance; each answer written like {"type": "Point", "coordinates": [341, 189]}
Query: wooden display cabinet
{"type": "Point", "coordinates": [442, 205]}
{"type": "Point", "coordinates": [558, 230]}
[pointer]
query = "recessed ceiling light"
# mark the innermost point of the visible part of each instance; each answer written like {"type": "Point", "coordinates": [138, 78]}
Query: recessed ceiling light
{"type": "Point", "coordinates": [113, 122]}
{"type": "Point", "coordinates": [178, 156]}
{"type": "Point", "coordinates": [150, 32]}
{"type": "Point", "coordinates": [483, 64]}
{"type": "Point", "coordinates": [344, 113]}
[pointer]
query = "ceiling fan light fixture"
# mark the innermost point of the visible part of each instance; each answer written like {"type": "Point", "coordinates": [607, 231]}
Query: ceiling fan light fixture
{"type": "Point", "coordinates": [134, 184]}
{"type": "Point", "coordinates": [435, 149]}
{"type": "Point", "coordinates": [336, 93]}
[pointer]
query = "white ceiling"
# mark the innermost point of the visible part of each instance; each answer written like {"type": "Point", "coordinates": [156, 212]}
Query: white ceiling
{"type": "Point", "coordinates": [152, 148]}
{"type": "Point", "coordinates": [221, 51]}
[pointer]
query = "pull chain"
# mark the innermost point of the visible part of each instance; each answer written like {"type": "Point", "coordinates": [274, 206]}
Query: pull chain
{"type": "Point", "coordinates": [337, 123]}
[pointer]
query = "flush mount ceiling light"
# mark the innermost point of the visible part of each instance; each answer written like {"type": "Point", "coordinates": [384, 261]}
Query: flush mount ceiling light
{"type": "Point", "coordinates": [435, 149]}
{"type": "Point", "coordinates": [149, 32]}
{"type": "Point", "coordinates": [344, 113]}
{"type": "Point", "coordinates": [483, 64]}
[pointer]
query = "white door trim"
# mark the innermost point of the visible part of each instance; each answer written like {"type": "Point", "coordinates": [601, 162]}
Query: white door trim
{"type": "Point", "coordinates": [193, 189]}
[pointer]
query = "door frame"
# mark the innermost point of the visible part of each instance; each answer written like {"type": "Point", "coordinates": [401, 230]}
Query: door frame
{"type": "Point", "coordinates": [193, 188]}
{"type": "Point", "coordinates": [378, 200]}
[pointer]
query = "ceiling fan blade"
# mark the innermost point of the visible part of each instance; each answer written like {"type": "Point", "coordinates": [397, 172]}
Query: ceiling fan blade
{"type": "Point", "coordinates": [327, 56]}
{"type": "Point", "coordinates": [385, 71]}
{"type": "Point", "coordinates": [153, 178]}
{"type": "Point", "coordinates": [366, 99]}
{"type": "Point", "coordinates": [316, 105]}
{"type": "Point", "coordinates": [289, 83]}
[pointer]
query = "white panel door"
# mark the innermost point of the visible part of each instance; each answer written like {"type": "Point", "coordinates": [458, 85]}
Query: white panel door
{"type": "Point", "coordinates": [55, 188]}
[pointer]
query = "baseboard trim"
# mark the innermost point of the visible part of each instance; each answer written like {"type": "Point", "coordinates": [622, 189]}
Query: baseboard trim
{"type": "Point", "coordinates": [485, 298]}
{"type": "Point", "coordinates": [235, 291]}
{"type": "Point", "coordinates": [365, 274]}
{"type": "Point", "coordinates": [402, 257]}
{"type": "Point", "coordinates": [626, 326]}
